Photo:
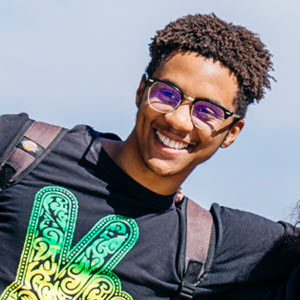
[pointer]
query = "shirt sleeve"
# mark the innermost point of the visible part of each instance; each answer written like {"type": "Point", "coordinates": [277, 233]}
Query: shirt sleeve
{"type": "Point", "coordinates": [250, 249]}
{"type": "Point", "coordinates": [9, 127]}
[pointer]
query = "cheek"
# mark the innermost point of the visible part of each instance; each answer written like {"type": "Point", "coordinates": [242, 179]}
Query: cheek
{"type": "Point", "coordinates": [209, 144]}
{"type": "Point", "coordinates": [144, 118]}
{"type": "Point", "coordinates": [146, 115]}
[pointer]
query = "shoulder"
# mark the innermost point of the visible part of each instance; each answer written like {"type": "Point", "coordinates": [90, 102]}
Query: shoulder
{"type": "Point", "coordinates": [251, 245]}
{"type": "Point", "coordinates": [13, 126]}
{"type": "Point", "coordinates": [10, 125]}
{"type": "Point", "coordinates": [247, 231]}
{"type": "Point", "coordinates": [233, 220]}
{"type": "Point", "coordinates": [13, 122]}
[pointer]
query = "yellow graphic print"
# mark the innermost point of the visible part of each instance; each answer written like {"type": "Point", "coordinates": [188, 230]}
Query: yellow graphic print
{"type": "Point", "coordinates": [50, 270]}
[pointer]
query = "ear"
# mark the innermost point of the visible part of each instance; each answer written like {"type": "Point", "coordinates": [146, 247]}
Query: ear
{"type": "Point", "coordinates": [140, 91]}
{"type": "Point", "coordinates": [233, 133]}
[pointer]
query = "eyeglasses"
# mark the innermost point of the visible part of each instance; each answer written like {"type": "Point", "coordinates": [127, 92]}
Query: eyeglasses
{"type": "Point", "coordinates": [205, 114]}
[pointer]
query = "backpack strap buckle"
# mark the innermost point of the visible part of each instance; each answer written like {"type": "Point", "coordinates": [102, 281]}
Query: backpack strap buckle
{"type": "Point", "coordinates": [188, 284]}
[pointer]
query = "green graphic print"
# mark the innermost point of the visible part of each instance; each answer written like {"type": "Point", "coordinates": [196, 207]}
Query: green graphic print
{"type": "Point", "coordinates": [50, 270]}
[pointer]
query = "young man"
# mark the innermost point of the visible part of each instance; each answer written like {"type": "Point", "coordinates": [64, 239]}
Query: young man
{"type": "Point", "coordinates": [96, 219]}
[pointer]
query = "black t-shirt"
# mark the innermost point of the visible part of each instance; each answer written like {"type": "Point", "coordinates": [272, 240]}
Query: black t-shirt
{"type": "Point", "coordinates": [77, 225]}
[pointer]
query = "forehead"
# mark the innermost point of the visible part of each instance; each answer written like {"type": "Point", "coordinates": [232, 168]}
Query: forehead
{"type": "Point", "coordinates": [200, 77]}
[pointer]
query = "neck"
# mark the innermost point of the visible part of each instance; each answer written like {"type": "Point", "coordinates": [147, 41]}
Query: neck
{"type": "Point", "coordinates": [126, 156]}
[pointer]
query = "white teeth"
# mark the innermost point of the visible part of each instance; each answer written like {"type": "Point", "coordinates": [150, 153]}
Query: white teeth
{"type": "Point", "coordinates": [170, 143]}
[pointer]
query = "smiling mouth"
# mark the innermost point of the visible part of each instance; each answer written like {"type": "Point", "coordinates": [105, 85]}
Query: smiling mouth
{"type": "Point", "coordinates": [166, 141]}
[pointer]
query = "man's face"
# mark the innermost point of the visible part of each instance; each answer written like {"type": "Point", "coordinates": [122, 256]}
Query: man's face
{"type": "Point", "coordinates": [169, 144]}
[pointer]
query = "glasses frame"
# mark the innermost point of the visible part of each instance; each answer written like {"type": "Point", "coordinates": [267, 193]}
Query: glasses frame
{"type": "Point", "coordinates": [151, 80]}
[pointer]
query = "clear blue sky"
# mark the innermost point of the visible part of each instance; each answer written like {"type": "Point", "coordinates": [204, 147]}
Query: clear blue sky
{"type": "Point", "coordinates": [70, 62]}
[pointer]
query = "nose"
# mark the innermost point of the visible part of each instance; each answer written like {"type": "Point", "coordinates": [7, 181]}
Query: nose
{"type": "Point", "coordinates": [180, 118]}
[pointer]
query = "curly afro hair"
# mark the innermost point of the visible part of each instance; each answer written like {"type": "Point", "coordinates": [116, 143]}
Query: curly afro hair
{"type": "Point", "coordinates": [235, 47]}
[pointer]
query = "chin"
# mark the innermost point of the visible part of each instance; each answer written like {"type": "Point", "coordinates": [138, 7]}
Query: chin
{"type": "Point", "coordinates": [164, 170]}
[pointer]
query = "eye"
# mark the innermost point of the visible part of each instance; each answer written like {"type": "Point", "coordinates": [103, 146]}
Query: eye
{"type": "Point", "coordinates": [207, 110]}
{"type": "Point", "coordinates": [165, 93]}
{"type": "Point", "coordinates": [206, 113]}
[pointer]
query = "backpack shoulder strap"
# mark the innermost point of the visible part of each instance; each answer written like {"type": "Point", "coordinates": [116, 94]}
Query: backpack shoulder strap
{"type": "Point", "coordinates": [199, 228]}
{"type": "Point", "coordinates": [34, 141]}
{"type": "Point", "coordinates": [199, 248]}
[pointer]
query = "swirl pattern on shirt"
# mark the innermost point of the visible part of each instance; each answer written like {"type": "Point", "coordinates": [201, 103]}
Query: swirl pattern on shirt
{"type": "Point", "coordinates": [49, 269]}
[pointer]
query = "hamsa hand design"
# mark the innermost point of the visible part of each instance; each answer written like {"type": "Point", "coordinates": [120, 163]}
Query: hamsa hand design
{"type": "Point", "coordinates": [50, 269]}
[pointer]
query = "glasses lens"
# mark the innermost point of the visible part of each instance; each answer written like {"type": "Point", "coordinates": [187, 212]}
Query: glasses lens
{"type": "Point", "coordinates": [208, 115]}
{"type": "Point", "coordinates": [163, 97]}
